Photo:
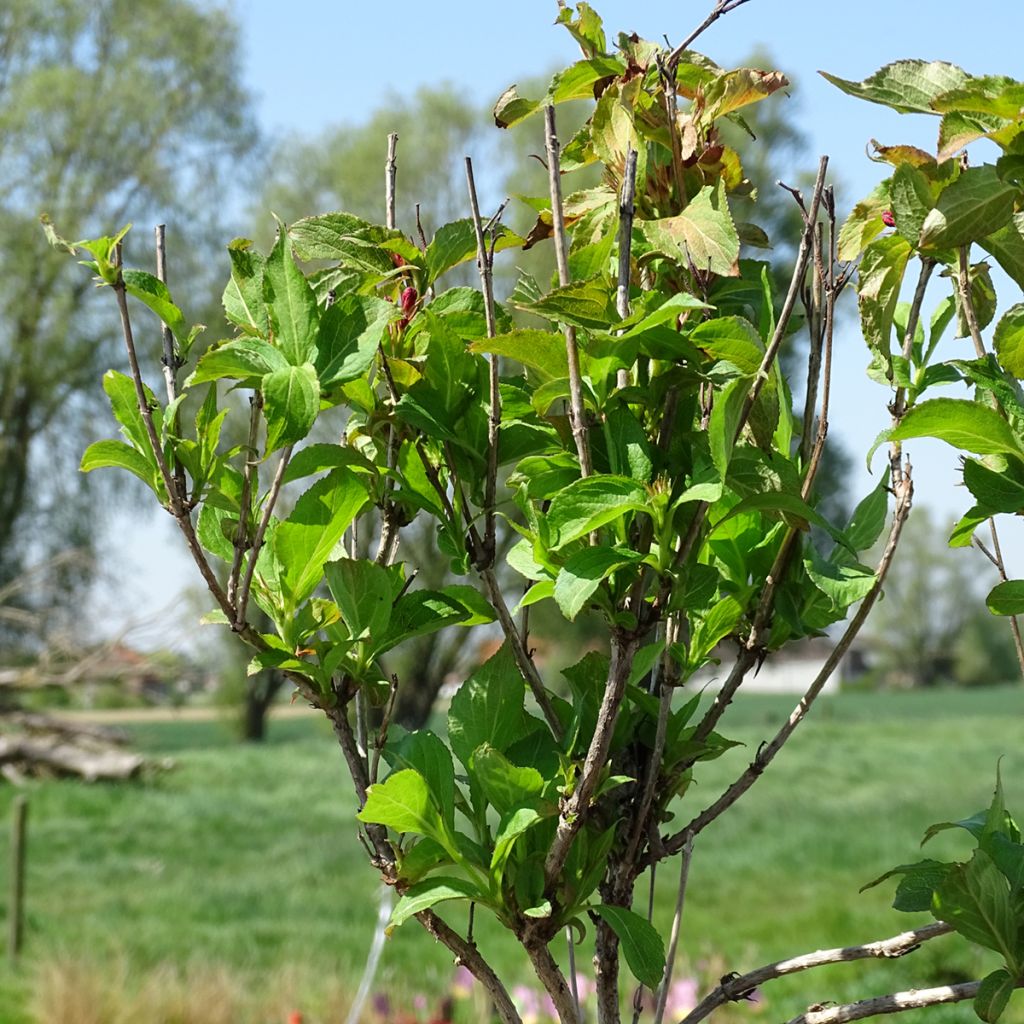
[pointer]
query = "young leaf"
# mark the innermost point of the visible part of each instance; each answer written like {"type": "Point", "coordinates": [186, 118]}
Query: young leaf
{"type": "Point", "coordinates": [1009, 340]}
{"type": "Point", "coordinates": [427, 754]}
{"type": "Point", "coordinates": [291, 305]}
{"type": "Point", "coordinates": [305, 540]}
{"type": "Point", "coordinates": [403, 803]}
{"type": "Point", "coordinates": [582, 574]}
{"type": "Point", "coordinates": [993, 995]}
{"type": "Point", "coordinates": [152, 292]}
{"type": "Point", "coordinates": [431, 891]}
{"type": "Point", "coordinates": [364, 593]}
{"type": "Point", "coordinates": [237, 360]}
{"type": "Point", "coordinates": [589, 504]}
{"type": "Point", "coordinates": [505, 784]}
{"type": "Point", "coordinates": [243, 297]}
{"type": "Point", "coordinates": [642, 946]}
{"type": "Point", "coordinates": [517, 821]}
{"type": "Point", "coordinates": [350, 332]}
{"type": "Point", "coordinates": [1006, 598]}
{"type": "Point", "coordinates": [703, 233]}
{"type": "Point", "coordinates": [101, 454]}
{"type": "Point", "coordinates": [455, 243]}
{"type": "Point", "coordinates": [291, 402]}
{"type": "Point", "coordinates": [488, 708]}
{"type": "Point", "coordinates": [543, 351]}
{"type": "Point", "coordinates": [878, 290]}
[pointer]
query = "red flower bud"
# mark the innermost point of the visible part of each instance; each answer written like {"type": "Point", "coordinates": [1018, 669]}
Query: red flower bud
{"type": "Point", "coordinates": [397, 260]}
{"type": "Point", "coordinates": [888, 219]}
{"type": "Point", "coordinates": [409, 297]}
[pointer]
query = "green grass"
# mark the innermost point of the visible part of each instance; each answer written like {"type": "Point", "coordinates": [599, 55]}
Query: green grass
{"type": "Point", "coordinates": [247, 857]}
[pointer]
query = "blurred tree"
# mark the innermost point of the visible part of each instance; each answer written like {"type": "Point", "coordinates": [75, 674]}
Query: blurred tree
{"type": "Point", "coordinates": [109, 111]}
{"type": "Point", "coordinates": [933, 612]}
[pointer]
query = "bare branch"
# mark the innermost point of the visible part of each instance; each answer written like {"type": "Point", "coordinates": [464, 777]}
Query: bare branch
{"type": "Point", "coordinates": [720, 8]}
{"type": "Point", "coordinates": [390, 173]}
{"type": "Point", "coordinates": [898, 1002]}
{"type": "Point", "coordinates": [626, 211]}
{"type": "Point", "coordinates": [574, 807]}
{"type": "Point", "coordinates": [578, 420]}
{"type": "Point", "coordinates": [736, 987]}
{"type": "Point", "coordinates": [171, 363]}
{"type": "Point", "coordinates": [554, 981]}
{"type": "Point", "coordinates": [261, 532]}
{"type": "Point", "coordinates": [250, 474]}
{"type": "Point", "coordinates": [484, 261]}
{"type": "Point", "coordinates": [803, 255]}
{"type": "Point", "coordinates": [766, 753]}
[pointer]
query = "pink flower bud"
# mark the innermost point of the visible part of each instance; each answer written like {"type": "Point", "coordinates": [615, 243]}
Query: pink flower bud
{"type": "Point", "coordinates": [409, 297]}
{"type": "Point", "coordinates": [888, 219]}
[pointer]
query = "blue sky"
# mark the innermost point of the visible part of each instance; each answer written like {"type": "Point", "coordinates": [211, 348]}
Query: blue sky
{"type": "Point", "coordinates": [318, 64]}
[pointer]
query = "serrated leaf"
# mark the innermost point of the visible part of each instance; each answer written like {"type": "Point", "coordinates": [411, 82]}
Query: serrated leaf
{"type": "Point", "coordinates": [908, 86]}
{"type": "Point", "coordinates": [975, 205]}
{"type": "Point", "coordinates": [963, 424]}
{"type": "Point", "coordinates": [364, 593]}
{"type": "Point", "coordinates": [426, 753]}
{"type": "Point", "coordinates": [864, 223]}
{"type": "Point", "coordinates": [543, 351]}
{"type": "Point", "coordinates": [1009, 340]}
{"type": "Point", "coordinates": [402, 802]}
{"type": "Point", "coordinates": [243, 297]}
{"type": "Point", "coordinates": [291, 305]}
{"type": "Point", "coordinates": [1007, 246]}
{"type": "Point", "coordinates": [350, 333]}
{"type": "Point", "coordinates": [642, 946]}
{"type": "Point", "coordinates": [878, 290]}
{"type": "Point", "coordinates": [117, 454]}
{"type": "Point", "coordinates": [237, 360]}
{"type": "Point", "coordinates": [455, 243]}
{"type": "Point", "coordinates": [505, 785]}
{"type": "Point", "coordinates": [993, 487]}
{"type": "Point", "coordinates": [587, 304]}
{"type": "Point", "coordinates": [590, 503]}
{"type": "Point", "coordinates": [291, 402]}
{"type": "Point", "coordinates": [515, 823]}
{"type": "Point", "coordinates": [704, 233]}
{"type": "Point", "coordinates": [583, 573]}
{"type": "Point", "coordinates": [428, 893]}
{"type": "Point", "coordinates": [152, 292]}
{"type": "Point", "coordinates": [732, 339]}
{"type": "Point", "coordinates": [305, 540]}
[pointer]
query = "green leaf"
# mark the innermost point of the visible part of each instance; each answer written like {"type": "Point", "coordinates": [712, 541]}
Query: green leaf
{"type": "Point", "coordinates": [587, 304]}
{"type": "Point", "coordinates": [704, 233]}
{"type": "Point", "coordinates": [574, 82]}
{"type": "Point", "coordinates": [975, 900]}
{"type": "Point", "coordinates": [993, 486]}
{"type": "Point", "coordinates": [543, 351]}
{"type": "Point", "coordinates": [790, 507]}
{"type": "Point", "coordinates": [427, 754]}
{"type": "Point", "coordinates": [864, 223]}
{"type": "Point", "coordinates": [403, 803]}
{"type": "Point", "coordinates": [291, 305]}
{"type": "Point", "coordinates": [101, 454]}
{"type": "Point", "coordinates": [431, 891]}
{"type": "Point", "coordinates": [455, 243]}
{"type": "Point", "coordinates": [243, 296]}
{"type": "Point", "coordinates": [963, 424]}
{"type": "Point", "coordinates": [842, 584]}
{"type": "Point", "coordinates": [342, 238]}
{"type": "Point", "coordinates": [993, 995]}
{"type": "Point", "coordinates": [908, 86]}
{"type": "Point", "coordinates": [514, 824]}
{"type": "Point", "coordinates": [1006, 598]}
{"type": "Point", "coordinates": [237, 360]}
{"type": "Point", "coordinates": [730, 338]}
{"type": "Point", "coordinates": [1009, 340]}
{"type": "Point", "coordinates": [588, 504]}
{"type": "Point", "coordinates": [504, 784]}
{"type": "Point", "coordinates": [488, 708]}
{"type": "Point", "coordinates": [350, 332]}
{"type": "Point", "coordinates": [153, 293]}
{"type": "Point", "coordinates": [582, 574]}
{"type": "Point", "coordinates": [306, 539]}
{"type": "Point", "coordinates": [124, 403]}
{"type": "Point", "coordinates": [315, 458]}
{"type": "Point", "coordinates": [642, 946]}
{"type": "Point", "coordinates": [291, 402]}
{"type": "Point", "coordinates": [364, 593]}
{"type": "Point", "coordinates": [911, 200]}
{"type": "Point", "coordinates": [1007, 246]}
{"type": "Point", "coordinates": [868, 518]}
{"type": "Point", "coordinates": [917, 886]}
{"type": "Point", "coordinates": [725, 418]}
{"type": "Point", "coordinates": [426, 611]}
{"type": "Point", "coordinates": [878, 290]}
{"type": "Point", "coordinates": [973, 206]}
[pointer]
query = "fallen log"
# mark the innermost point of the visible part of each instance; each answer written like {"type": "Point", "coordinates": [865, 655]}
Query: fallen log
{"type": "Point", "coordinates": [27, 756]}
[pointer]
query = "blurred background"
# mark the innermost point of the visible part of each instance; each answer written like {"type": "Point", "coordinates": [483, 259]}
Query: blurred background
{"type": "Point", "coordinates": [210, 878]}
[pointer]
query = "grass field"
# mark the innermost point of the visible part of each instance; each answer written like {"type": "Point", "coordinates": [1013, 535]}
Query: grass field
{"type": "Point", "coordinates": [233, 887]}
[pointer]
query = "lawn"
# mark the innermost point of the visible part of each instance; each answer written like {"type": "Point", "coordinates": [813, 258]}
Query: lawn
{"type": "Point", "coordinates": [233, 888]}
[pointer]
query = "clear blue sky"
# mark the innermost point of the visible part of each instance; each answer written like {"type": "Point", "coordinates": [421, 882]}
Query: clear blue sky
{"type": "Point", "coordinates": [318, 64]}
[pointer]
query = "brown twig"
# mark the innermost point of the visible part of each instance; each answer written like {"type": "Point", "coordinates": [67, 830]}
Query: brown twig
{"type": "Point", "coordinates": [551, 977]}
{"type": "Point", "coordinates": [175, 504]}
{"type": "Point", "coordinates": [736, 987]}
{"type": "Point", "coordinates": [574, 807]}
{"type": "Point", "coordinates": [766, 753]}
{"type": "Point", "coordinates": [485, 264]}
{"type": "Point", "coordinates": [897, 1002]}
{"type": "Point", "coordinates": [627, 198]}
{"type": "Point", "coordinates": [261, 532]}
{"type": "Point", "coordinates": [171, 363]}
{"type": "Point", "coordinates": [577, 416]}
{"type": "Point", "coordinates": [803, 255]}
{"type": "Point", "coordinates": [720, 8]}
{"type": "Point", "coordinates": [390, 173]}
{"type": "Point", "coordinates": [813, 305]}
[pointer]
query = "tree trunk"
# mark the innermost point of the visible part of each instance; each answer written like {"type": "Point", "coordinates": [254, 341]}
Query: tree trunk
{"type": "Point", "coordinates": [259, 695]}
